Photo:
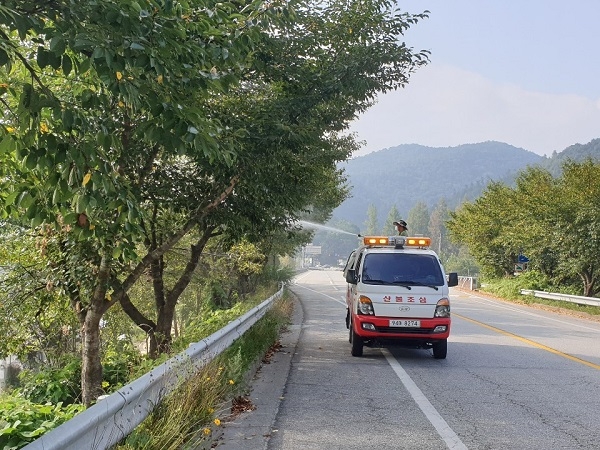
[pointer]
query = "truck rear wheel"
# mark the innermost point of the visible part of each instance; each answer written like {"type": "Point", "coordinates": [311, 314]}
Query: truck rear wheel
{"type": "Point", "coordinates": [357, 343]}
{"type": "Point", "coordinates": [440, 349]}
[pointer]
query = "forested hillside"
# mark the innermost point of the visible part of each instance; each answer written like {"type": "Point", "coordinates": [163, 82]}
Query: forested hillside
{"type": "Point", "coordinates": [407, 174]}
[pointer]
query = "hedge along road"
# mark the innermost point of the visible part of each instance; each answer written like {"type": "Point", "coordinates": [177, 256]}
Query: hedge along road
{"type": "Point", "coordinates": [515, 377]}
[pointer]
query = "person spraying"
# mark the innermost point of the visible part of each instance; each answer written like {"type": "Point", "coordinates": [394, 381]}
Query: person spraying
{"type": "Point", "coordinates": [401, 228]}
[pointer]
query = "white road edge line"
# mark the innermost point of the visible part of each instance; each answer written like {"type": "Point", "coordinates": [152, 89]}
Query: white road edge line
{"type": "Point", "coordinates": [450, 437]}
{"type": "Point", "coordinates": [324, 295]}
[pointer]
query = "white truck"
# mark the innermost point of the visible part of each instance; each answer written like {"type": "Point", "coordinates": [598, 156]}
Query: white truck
{"type": "Point", "coordinates": [397, 292]}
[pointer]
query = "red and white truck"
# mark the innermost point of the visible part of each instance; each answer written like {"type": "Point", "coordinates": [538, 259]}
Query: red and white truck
{"type": "Point", "coordinates": [398, 293]}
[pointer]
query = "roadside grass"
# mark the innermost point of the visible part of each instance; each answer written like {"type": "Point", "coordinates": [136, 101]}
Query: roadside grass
{"type": "Point", "coordinates": [190, 416]}
{"type": "Point", "coordinates": [510, 289]}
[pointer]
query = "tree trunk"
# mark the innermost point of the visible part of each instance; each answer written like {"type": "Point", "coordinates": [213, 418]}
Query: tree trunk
{"type": "Point", "coordinates": [588, 283]}
{"type": "Point", "coordinates": [91, 369]}
{"type": "Point", "coordinates": [146, 325]}
{"type": "Point", "coordinates": [159, 333]}
{"type": "Point", "coordinates": [166, 313]}
{"type": "Point", "coordinates": [157, 343]}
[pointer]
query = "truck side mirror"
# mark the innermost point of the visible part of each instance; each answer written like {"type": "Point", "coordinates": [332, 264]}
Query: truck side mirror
{"type": "Point", "coordinates": [452, 279]}
{"type": "Point", "coordinates": [351, 276]}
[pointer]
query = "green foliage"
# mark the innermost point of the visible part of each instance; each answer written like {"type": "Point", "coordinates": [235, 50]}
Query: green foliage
{"type": "Point", "coordinates": [60, 385]}
{"type": "Point", "coordinates": [33, 315]}
{"type": "Point", "coordinates": [22, 421]}
{"type": "Point", "coordinates": [461, 262]}
{"type": "Point", "coordinates": [553, 221]}
{"type": "Point", "coordinates": [215, 295]}
{"type": "Point", "coordinates": [388, 226]}
{"type": "Point", "coordinates": [510, 288]}
{"type": "Point", "coordinates": [418, 219]}
{"type": "Point", "coordinates": [118, 364]}
{"type": "Point", "coordinates": [371, 225]}
{"type": "Point", "coordinates": [128, 126]}
{"type": "Point", "coordinates": [274, 276]}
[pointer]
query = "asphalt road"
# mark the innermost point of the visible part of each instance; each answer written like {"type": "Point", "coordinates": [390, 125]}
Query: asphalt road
{"type": "Point", "coordinates": [515, 377]}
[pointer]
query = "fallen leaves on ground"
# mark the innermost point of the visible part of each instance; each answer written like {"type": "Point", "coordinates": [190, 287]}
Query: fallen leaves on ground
{"type": "Point", "coordinates": [271, 351]}
{"type": "Point", "coordinates": [241, 404]}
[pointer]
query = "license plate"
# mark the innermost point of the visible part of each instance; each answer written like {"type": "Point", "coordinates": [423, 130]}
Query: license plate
{"type": "Point", "coordinates": [405, 323]}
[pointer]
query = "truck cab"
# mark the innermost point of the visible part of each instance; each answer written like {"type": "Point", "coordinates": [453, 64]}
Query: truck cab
{"type": "Point", "coordinates": [397, 292]}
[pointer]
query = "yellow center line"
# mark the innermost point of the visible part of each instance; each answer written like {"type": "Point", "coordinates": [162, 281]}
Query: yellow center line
{"type": "Point", "coordinates": [532, 343]}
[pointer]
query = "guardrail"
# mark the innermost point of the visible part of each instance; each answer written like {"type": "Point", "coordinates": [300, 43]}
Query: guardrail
{"type": "Point", "coordinates": [563, 297]}
{"type": "Point", "coordinates": [115, 417]}
{"type": "Point", "coordinates": [470, 283]}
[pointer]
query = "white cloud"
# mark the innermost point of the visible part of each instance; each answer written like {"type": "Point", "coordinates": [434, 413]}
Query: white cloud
{"type": "Point", "coordinates": [445, 106]}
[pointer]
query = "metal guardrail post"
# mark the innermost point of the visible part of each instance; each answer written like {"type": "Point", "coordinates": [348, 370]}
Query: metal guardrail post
{"type": "Point", "coordinates": [112, 419]}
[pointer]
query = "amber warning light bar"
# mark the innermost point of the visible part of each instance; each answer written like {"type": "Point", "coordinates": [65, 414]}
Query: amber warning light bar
{"type": "Point", "coordinates": [391, 241]}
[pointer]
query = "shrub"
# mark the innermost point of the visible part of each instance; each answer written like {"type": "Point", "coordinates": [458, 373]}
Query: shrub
{"type": "Point", "coordinates": [54, 385]}
{"type": "Point", "coordinates": [22, 421]}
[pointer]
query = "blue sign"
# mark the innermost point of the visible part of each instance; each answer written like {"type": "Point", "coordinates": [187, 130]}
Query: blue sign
{"type": "Point", "coordinates": [523, 259]}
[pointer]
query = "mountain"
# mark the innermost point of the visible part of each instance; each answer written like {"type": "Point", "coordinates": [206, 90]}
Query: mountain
{"type": "Point", "coordinates": [407, 174]}
{"type": "Point", "coordinates": [575, 152]}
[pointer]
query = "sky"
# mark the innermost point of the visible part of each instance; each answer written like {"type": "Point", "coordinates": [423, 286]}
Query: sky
{"type": "Point", "coordinates": [523, 72]}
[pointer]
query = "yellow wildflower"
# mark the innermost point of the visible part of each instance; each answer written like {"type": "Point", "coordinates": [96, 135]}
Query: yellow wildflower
{"type": "Point", "coordinates": [211, 410]}
{"type": "Point", "coordinates": [121, 104]}
{"type": "Point", "coordinates": [160, 79]}
{"type": "Point", "coordinates": [44, 128]}
{"type": "Point", "coordinates": [206, 431]}
{"type": "Point", "coordinates": [217, 422]}
{"type": "Point", "coordinates": [10, 129]}
{"type": "Point", "coordinates": [119, 76]}
{"type": "Point", "coordinates": [231, 382]}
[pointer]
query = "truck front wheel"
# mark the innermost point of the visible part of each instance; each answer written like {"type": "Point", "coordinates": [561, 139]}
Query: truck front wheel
{"type": "Point", "coordinates": [357, 342]}
{"type": "Point", "coordinates": [440, 348]}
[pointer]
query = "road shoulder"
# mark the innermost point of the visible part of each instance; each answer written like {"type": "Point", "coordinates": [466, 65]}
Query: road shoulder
{"type": "Point", "coordinates": [251, 430]}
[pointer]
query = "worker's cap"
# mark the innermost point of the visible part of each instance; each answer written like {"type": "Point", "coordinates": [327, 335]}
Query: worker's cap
{"type": "Point", "coordinates": [401, 223]}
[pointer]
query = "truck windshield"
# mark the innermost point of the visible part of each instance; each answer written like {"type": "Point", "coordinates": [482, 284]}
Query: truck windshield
{"type": "Point", "coordinates": [402, 268]}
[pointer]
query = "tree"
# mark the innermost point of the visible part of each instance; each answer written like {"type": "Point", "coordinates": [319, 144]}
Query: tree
{"type": "Point", "coordinates": [104, 100]}
{"type": "Point", "coordinates": [371, 226]}
{"type": "Point", "coordinates": [553, 221]}
{"type": "Point", "coordinates": [337, 243]}
{"type": "Point", "coordinates": [482, 226]}
{"type": "Point", "coordinates": [437, 228]}
{"type": "Point", "coordinates": [138, 124]}
{"type": "Point", "coordinates": [576, 224]}
{"type": "Point", "coordinates": [32, 315]}
{"type": "Point", "coordinates": [388, 227]}
{"type": "Point", "coordinates": [418, 219]}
